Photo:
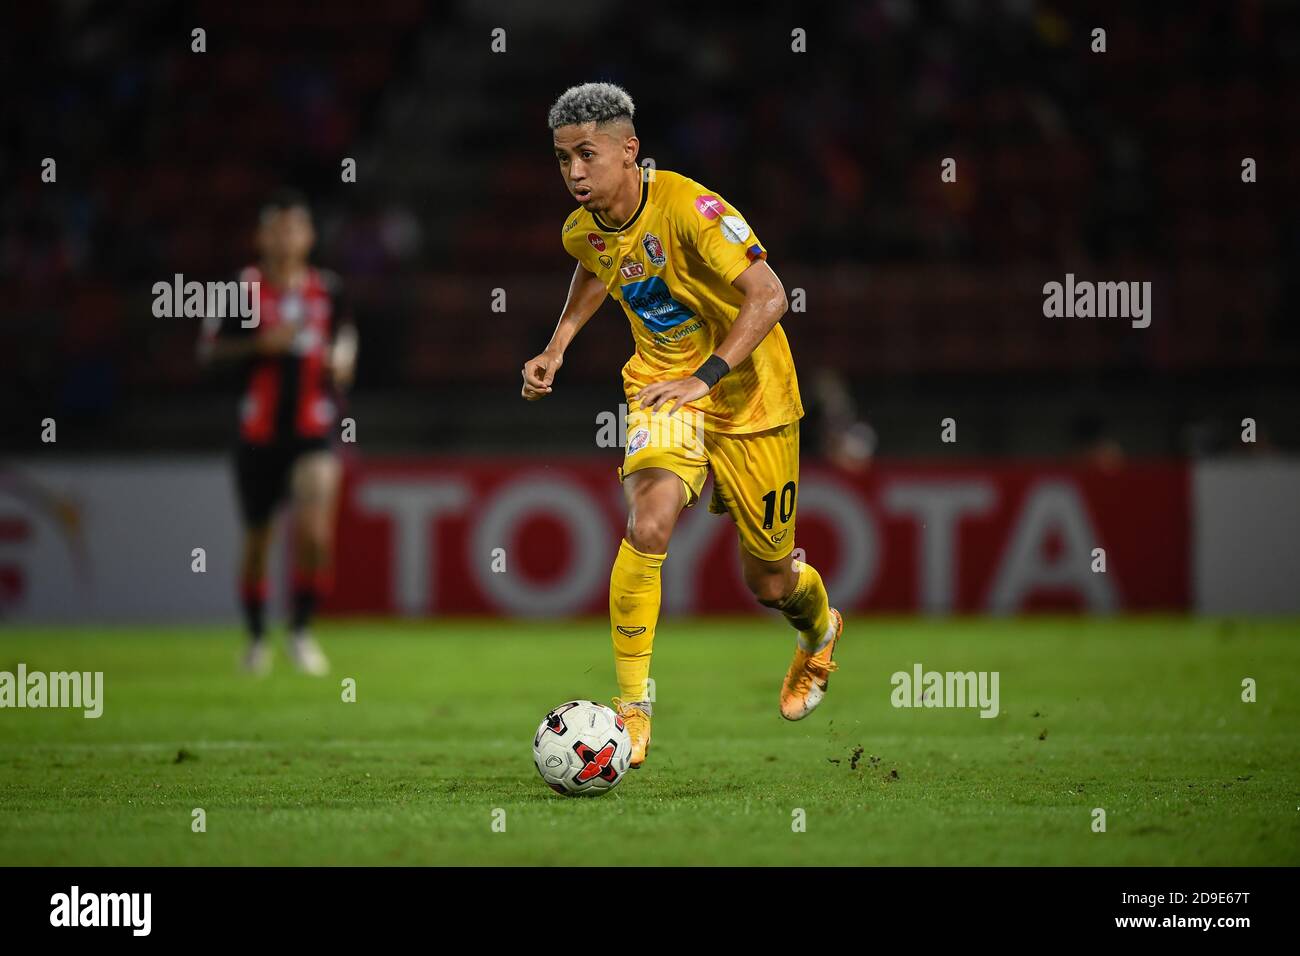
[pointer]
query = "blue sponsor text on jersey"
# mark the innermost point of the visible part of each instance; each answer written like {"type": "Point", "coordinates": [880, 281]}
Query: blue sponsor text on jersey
{"type": "Point", "coordinates": [651, 300]}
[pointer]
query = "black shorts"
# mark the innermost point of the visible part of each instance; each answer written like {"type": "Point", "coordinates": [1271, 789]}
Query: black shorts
{"type": "Point", "coordinates": [262, 474]}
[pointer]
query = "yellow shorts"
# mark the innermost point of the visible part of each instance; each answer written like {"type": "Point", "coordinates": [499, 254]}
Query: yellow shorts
{"type": "Point", "coordinates": [755, 475]}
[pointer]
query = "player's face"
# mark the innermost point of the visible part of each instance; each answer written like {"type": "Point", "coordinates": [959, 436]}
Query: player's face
{"type": "Point", "coordinates": [286, 234]}
{"type": "Point", "coordinates": [592, 162]}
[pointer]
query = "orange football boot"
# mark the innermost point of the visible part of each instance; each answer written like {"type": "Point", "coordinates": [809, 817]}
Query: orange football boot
{"type": "Point", "coordinates": [808, 676]}
{"type": "Point", "coordinates": [637, 720]}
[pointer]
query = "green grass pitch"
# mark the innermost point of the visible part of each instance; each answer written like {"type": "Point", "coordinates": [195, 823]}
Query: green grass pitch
{"type": "Point", "coordinates": [1140, 716]}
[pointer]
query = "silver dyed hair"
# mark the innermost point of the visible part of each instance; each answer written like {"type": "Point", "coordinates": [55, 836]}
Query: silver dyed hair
{"type": "Point", "coordinates": [590, 101]}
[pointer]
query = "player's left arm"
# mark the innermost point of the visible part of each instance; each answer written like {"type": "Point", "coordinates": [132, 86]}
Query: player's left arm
{"type": "Point", "coordinates": [762, 309]}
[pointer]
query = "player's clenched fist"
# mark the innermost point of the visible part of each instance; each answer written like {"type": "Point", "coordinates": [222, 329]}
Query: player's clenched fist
{"type": "Point", "coordinates": [539, 372]}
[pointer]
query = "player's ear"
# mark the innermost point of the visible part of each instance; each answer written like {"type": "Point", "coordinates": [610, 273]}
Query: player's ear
{"type": "Point", "coordinates": [630, 150]}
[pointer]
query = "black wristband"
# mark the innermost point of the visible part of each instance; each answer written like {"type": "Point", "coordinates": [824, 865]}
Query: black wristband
{"type": "Point", "coordinates": [712, 370]}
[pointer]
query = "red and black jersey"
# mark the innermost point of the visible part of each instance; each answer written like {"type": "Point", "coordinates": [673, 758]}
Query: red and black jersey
{"type": "Point", "coordinates": [290, 398]}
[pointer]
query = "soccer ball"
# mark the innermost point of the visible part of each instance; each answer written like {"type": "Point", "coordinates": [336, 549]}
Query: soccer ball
{"type": "Point", "coordinates": [582, 749]}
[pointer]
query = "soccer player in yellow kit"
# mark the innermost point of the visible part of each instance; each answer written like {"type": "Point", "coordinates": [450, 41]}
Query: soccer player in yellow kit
{"type": "Point", "coordinates": [710, 386]}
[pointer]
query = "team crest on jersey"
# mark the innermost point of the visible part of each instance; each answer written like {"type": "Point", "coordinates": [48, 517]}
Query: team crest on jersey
{"type": "Point", "coordinates": [597, 243]}
{"type": "Point", "coordinates": [654, 249]}
{"type": "Point", "coordinates": [630, 268]}
{"type": "Point", "coordinates": [607, 261]}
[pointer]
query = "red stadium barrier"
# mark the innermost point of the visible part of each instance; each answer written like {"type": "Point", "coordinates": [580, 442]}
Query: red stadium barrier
{"type": "Point", "coordinates": [519, 537]}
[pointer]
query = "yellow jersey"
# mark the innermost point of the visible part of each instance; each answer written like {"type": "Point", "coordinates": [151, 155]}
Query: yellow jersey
{"type": "Point", "coordinates": [671, 266]}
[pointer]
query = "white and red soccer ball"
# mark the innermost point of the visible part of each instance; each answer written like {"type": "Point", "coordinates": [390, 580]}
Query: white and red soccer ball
{"type": "Point", "coordinates": [582, 748]}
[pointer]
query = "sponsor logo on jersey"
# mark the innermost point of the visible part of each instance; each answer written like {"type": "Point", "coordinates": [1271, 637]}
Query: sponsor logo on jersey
{"type": "Point", "coordinates": [631, 269]}
{"type": "Point", "coordinates": [654, 249]}
{"type": "Point", "coordinates": [651, 300]}
{"type": "Point", "coordinates": [735, 229]}
{"type": "Point", "coordinates": [597, 243]}
{"type": "Point", "coordinates": [640, 438]}
{"type": "Point", "coordinates": [677, 334]}
{"type": "Point", "coordinates": [710, 207]}
{"type": "Point", "coordinates": [570, 224]}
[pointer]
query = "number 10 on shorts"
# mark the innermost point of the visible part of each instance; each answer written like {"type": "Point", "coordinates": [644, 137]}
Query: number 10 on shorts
{"type": "Point", "coordinates": [770, 502]}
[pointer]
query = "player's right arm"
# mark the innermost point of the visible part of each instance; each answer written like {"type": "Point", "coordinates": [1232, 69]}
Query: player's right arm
{"type": "Point", "coordinates": [586, 293]}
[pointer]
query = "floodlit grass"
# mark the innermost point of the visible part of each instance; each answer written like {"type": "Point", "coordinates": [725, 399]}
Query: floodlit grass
{"type": "Point", "coordinates": [1141, 717]}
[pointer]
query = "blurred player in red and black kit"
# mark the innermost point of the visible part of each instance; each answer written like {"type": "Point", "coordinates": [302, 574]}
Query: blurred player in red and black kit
{"type": "Point", "coordinates": [297, 360]}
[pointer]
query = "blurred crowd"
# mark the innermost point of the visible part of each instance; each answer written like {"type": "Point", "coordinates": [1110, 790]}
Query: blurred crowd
{"type": "Point", "coordinates": [1120, 165]}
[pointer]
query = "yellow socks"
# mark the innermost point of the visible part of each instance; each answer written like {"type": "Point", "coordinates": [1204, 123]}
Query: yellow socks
{"type": "Point", "coordinates": [633, 613]}
{"type": "Point", "coordinates": [808, 609]}
{"type": "Point", "coordinates": [634, 596]}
